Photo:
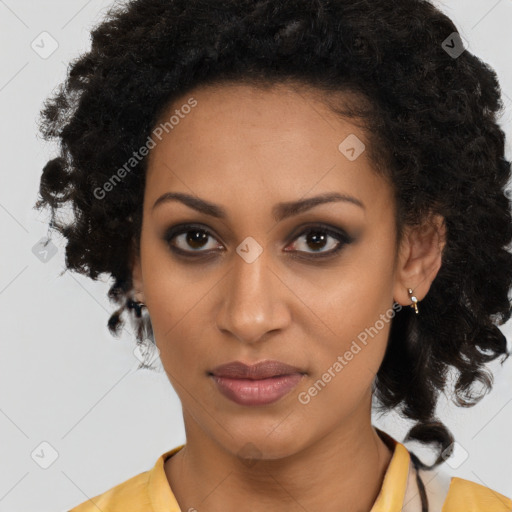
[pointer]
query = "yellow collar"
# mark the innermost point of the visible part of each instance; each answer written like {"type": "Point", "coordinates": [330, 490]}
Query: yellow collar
{"type": "Point", "coordinates": [392, 493]}
{"type": "Point", "coordinates": [160, 494]}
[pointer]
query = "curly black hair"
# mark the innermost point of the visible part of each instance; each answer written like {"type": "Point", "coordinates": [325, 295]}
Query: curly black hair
{"type": "Point", "coordinates": [433, 119]}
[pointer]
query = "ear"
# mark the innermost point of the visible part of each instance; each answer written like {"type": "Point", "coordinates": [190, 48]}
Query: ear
{"type": "Point", "coordinates": [419, 259]}
{"type": "Point", "coordinates": [135, 264]}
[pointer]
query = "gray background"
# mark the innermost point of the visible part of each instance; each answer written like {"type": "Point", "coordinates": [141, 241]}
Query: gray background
{"type": "Point", "coordinates": [63, 379]}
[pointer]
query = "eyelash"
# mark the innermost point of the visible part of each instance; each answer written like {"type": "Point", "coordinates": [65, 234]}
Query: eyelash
{"type": "Point", "coordinates": [341, 236]}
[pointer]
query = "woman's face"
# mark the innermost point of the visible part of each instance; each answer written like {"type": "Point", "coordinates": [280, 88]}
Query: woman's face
{"type": "Point", "coordinates": [251, 284]}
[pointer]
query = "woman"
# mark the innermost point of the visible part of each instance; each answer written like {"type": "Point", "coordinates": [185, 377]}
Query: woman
{"type": "Point", "coordinates": [302, 205]}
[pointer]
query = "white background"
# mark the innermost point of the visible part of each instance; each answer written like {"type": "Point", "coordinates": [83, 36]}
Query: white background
{"type": "Point", "coordinates": [64, 379]}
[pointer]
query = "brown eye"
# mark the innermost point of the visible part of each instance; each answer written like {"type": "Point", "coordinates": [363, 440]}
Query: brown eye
{"type": "Point", "coordinates": [196, 238]}
{"type": "Point", "coordinates": [315, 239]}
{"type": "Point", "coordinates": [189, 239]}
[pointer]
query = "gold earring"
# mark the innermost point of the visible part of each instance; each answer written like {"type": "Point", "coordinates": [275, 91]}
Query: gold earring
{"type": "Point", "coordinates": [414, 301]}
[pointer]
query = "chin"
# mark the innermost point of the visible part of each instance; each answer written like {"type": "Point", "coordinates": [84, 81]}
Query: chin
{"type": "Point", "coordinates": [262, 447]}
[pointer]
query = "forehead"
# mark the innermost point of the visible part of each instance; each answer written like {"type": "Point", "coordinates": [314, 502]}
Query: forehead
{"type": "Point", "coordinates": [278, 142]}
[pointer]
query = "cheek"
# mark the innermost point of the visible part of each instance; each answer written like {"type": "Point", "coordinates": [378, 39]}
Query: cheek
{"type": "Point", "coordinates": [353, 315]}
{"type": "Point", "coordinates": [180, 323]}
{"type": "Point", "coordinates": [178, 300]}
{"type": "Point", "coordinates": [170, 298]}
{"type": "Point", "coordinates": [344, 364]}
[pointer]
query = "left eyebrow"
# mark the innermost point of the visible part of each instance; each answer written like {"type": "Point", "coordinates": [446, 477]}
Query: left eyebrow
{"type": "Point", "coordinates": [280, 211]}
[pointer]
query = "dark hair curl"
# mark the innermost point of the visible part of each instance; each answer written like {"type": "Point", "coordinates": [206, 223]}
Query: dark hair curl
{"type": "Point", "coordinates": [434, 131]}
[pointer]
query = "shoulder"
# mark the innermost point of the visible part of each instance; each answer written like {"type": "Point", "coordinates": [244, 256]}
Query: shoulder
{"type": "Point", "coordinates": [146, 491]}
{"type": "Point", "coordinates": [473, 497]}
{"type": "Point", "coordinates": [130, 495]}
{"type": "Point", "coordinates": [453, 494]}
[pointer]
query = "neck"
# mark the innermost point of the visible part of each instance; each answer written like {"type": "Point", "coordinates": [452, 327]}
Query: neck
{"type": "Point", "coordinates": [343, 470]}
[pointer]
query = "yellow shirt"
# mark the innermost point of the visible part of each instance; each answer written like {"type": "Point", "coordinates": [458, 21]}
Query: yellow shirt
{"type": "Point", "coordinates": [150, 491]}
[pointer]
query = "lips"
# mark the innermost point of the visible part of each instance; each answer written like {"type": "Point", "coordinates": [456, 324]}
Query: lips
{"type": "Point", "coordinates": [260, 370]}
{"type": "Point", "coordinates": [259, 384]}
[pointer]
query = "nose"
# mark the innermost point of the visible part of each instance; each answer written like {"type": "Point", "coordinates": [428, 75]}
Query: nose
{"type": "Point", "coordinates": [253, 301]}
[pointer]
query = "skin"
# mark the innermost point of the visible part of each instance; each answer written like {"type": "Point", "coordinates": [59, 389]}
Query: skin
{"type": "Point", "coordinates": [272, 146]}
